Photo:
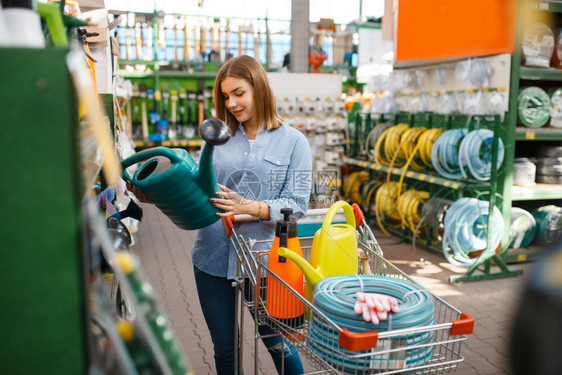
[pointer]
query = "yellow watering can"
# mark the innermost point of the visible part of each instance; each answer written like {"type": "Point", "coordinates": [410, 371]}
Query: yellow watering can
{"type": "Point", "coordinates": [334, 249]}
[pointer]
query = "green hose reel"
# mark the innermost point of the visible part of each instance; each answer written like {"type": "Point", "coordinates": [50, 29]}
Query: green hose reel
{"type": "Point", "coordinates": [533, 107]}
{"type": "Point", "coordinates": [523, 228]}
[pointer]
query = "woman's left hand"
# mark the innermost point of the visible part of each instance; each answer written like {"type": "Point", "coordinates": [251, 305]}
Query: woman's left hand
{"type": "Point", "coordinates": [232, 204]}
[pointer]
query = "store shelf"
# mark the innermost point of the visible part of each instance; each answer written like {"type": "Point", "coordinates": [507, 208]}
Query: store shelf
{"type": "Point", "coordinates": [522, 255]}
{"type": "Point", "coordinates": [536, 192]}
{"type": "Point", "coordinates": [421, 176]}
{"type": "Point", "coordinates": [180, 143]}
{"type": "Point", "coordinates": [550, 6]}
{"type": "Point", "coordinates": [538, 134]}
{"type": "Point", "coordinates": [194, 75]}
{"type": "Point", "coordinates": [542, 74]}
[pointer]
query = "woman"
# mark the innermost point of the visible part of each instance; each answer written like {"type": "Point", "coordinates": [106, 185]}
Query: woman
{"type": "Point", "coordinates": [265, 166]}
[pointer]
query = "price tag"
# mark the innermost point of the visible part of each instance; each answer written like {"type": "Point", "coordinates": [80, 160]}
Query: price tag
{"type": "Point", "coordinates": [530, 135]}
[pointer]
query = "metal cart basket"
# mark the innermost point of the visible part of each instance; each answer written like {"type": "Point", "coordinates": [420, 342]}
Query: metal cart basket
{"type": "Point", "coordinates": [331, 347]}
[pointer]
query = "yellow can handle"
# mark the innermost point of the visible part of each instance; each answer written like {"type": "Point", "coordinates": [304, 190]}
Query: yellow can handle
{"type": "Point", "coordinates": [331, 214]}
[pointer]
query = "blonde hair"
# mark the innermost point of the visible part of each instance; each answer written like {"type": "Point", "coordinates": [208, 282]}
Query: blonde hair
{"type": "Point", "coordinates": [249, 69]}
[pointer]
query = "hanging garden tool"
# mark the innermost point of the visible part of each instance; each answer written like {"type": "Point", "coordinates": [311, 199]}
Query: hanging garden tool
{"type": "Point", "coordinates": [144, 116]}
{"type": "Point", "coordinates": [185, 41]}
{"type": "Point", "coordinates": [83, 36]}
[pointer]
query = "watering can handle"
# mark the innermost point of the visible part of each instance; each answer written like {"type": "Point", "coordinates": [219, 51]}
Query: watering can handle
{"type": "Point", "coordinates": [146, 154]}
{"type": "Point", "coordinates": [333, 210]}
{"type": "Point", "coordinates": [331, 214]}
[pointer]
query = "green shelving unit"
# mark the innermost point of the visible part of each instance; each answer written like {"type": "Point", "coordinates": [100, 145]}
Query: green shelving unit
{"type": "Point", "coordinates": [431, 181]}
{"type": "Point", "coordinates": [541, 74]}
{"type": "Point", "coordinates": [538, 134]}
{"type": "Point", "coordinates": [182, 143]}
{"type": "Point", "coordinates": [43, 262]}
{"type": "Point", "coordinates": [520, 76]}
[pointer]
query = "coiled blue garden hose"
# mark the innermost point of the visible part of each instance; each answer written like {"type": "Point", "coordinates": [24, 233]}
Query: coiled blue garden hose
{"type": "Point", "coordinates": [467, 222]}
{"type": "Point", "coordinates": [445, 155]}
{"type": "Point", "coordinates": [335, 297]}
{"type": "Point", "coordinates": [523, 228]}
{"type": "Point", "coordinates": [475, 154]}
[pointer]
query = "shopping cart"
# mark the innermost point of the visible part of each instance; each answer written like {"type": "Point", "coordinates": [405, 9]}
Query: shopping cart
{"type": "Point", "coordinates": [332, 347]}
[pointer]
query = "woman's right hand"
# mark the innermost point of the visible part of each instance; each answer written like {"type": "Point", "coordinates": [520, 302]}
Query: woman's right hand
{"type": "Point", "coordinates": [138, 193]}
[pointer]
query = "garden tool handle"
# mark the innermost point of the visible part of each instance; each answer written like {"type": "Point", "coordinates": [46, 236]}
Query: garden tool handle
{"type": "Point", "coordinates": [359, 217]}
{"type": "Point", "coordinates": [146, 154]}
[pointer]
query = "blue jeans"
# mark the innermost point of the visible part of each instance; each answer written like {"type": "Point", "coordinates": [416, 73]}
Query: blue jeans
{"type": "Point", "coordinates": [216, 296]}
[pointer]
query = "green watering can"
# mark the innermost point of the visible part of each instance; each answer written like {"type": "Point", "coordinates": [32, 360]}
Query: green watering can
{"type": "Point", "coordinates": [173, 181]}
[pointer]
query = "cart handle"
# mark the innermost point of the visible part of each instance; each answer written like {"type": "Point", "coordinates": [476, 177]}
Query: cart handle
{"type": "Point", "coordinates": [228, 222]}
{"type": "Point", "coordinates": [463, 326]}
{"type": "Point", "coordinates": [359, 217]}
{"type": "Point", "coordinates": [357, 341]}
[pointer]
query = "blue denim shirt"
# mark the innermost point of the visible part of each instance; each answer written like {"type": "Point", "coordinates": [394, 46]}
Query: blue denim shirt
{"type": "Point", "coordinates": [277, 169]}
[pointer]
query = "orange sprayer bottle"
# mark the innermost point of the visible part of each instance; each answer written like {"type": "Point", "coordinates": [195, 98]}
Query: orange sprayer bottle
{"type": "Point", "coordinates": [281, 303]}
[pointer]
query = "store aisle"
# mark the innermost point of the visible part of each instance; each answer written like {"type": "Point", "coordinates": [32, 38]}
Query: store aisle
{"type": "Point", "coordinates": [164, 251]}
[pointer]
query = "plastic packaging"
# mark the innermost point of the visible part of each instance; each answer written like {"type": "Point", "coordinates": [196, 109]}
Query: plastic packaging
{"type": "Point", "coordinates": [533, 106]}
{"type": "Point", "coordinates": [524, 171]}
{"type": "Point", "coordinates": [4, 36]}
{"type": "Point", "coordinates": [556, 108]}
{"type": "Point", "coordinates": [23, 24]}
{"type": "Point", "coordinates": [523, 228]}
{"type": "Point", "coordinates": [538, 45]}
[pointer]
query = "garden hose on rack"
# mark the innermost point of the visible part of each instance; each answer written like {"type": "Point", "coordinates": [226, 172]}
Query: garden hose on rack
{"type": "Point", "coordinates": [368, 194]}
{"type": "Point", "coordinates": [522, 229]}
{"type": "Point", "coordinates": [410, 206]}
{"type": "Point", "coordinates": [475, 154]}
{"type": "Point", "coordinates": [352, 186]}
{"type": "Point", "coordinates": [426, 140]}
{"type": "Point", "coordinates": [549, 224]}
{"type": "Point", "coordinates": [445, 155]}
{"type": "Point", "coordinates": [549, 166]}
{"type": "Point", "coordinates": [373, 136]}
{"type": "Point", "coordinates": [467, 222]}
{"type": "Point", "coordinates": [336, 297]}
{"type": "Point", "coordinates": [385, 204]}
{"type": "Point", "coordinates": [524, 172]}
{"type": "Point", "coordinates": [387, 149]}
{"type": "Point", "coordinates": [411, 146]}
{"type": "Point", "coordinates": [433, 216]}
{"type": "Point", "coordinates": [533, 107]}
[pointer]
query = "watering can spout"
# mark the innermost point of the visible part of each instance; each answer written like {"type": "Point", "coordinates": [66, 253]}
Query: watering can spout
{"type": "Point", "coordinates": [215, 133]}
{"type": "Point", "coordinates": [312, 276]}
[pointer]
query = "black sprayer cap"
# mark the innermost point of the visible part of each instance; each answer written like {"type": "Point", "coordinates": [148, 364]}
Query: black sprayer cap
{"type": "Point", "coordinates": [285, 229]}
{"type": "Point", "coordinates": [287, 221]}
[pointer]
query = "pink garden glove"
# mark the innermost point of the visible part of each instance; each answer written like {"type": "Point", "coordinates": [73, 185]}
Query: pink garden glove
{"type": "Point", "coordinates": [374, 307]}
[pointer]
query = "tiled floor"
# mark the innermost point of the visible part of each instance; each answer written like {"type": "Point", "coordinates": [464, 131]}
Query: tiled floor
{"type": "Point", "coordinates": [164, 252]}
